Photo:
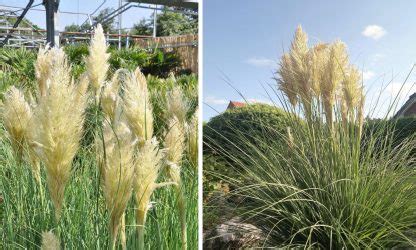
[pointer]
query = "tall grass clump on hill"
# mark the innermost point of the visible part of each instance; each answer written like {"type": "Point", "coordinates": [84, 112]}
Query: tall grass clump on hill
{"type": "Point", "coordinates": [89, 140]}
{"type": "Point", "coordinates": [320, 184]}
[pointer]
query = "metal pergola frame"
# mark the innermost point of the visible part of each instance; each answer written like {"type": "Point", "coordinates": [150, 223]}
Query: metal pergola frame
{"type": "Point", "coordinates": [19, 19]}
{"type": "Point", "coordinates": [52, 6]}
{"type": "Point", "coordinates": [187, 4]}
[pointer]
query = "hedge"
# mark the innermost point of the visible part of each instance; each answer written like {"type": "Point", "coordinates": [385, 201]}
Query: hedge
{"type": "Point", "coordinates": [257, 123]}
{"type": "Point", "coordinates": [401, 129]}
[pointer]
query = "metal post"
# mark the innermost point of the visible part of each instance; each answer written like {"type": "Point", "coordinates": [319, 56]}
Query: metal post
{"type": "Point", "coordinates": [119, 26]}
{"type": "Point", "coordinates": [154, 21]}
{"type": "Point", "coordinates": [52, 35]}
{"type": "Point", "coordinates": [127, 40]}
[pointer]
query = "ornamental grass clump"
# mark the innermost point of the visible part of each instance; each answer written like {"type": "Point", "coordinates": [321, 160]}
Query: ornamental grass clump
{"type": "Point", "coordinates": [322, 185]}
{"type": "Point", "coordinates": [57, 127]}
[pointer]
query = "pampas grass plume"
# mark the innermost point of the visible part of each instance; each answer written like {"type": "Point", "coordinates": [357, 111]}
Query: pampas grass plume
{"type": "Point", "coordinates": [57, 129]}
{"type": "Point", "coordinates": [148, 165]}
{"type": "Point", "coordinates": [193, 138]}
{"type": "Point", "coordinates": [177, 104]}
{"type": "Point", "coordinates": [42, 69]}
{"type": "Point", "coordinates": [137, 106]}
{"type": "Point", "coordinates": [50, 241]}
{"type": "Point", "coordinates": [174, 141]}
{"type": "Point", "coordinates": [97, 60]}
{"type": "Point", "coordinates": [16, 114]}
{"type": "Point", "coordinates": [110, 97]}
{"type": "Point", "coordinates": [118, 172]}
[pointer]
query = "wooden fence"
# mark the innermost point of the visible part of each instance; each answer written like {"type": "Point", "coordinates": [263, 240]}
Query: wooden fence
{"type": "Point", "coordinates": [186, 46]}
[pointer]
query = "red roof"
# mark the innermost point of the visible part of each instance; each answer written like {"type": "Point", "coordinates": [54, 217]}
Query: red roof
{"type": "Point", "coordinates": [232, 105]}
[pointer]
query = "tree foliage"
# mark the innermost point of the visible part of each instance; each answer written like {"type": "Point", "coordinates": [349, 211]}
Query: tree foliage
{"type": "Point", "coordinates": [169, 23]}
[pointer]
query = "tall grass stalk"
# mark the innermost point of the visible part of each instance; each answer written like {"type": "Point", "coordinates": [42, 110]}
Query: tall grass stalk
{"type": "Point", "coordinates": [175, 145]}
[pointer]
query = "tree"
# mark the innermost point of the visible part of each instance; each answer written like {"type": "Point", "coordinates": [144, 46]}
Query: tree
{"type": "Point", "coordinates": [72, 28]}
{"type": "Point", "coordinates": [144, 27]}
{"type": "Point", "coordinates": [169, 23]}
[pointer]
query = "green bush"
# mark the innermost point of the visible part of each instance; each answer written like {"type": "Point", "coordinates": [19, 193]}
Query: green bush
{"type": "Point", "coordinates": [259, 122]}
{"type": "Point", "coordinates": [16, 67]}
{"type": "Point", "coordinates": [401, 130]}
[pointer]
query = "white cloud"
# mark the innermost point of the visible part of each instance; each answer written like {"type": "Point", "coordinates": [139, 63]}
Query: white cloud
{"type": "Point", "coordinates": [212, 100]}
{"type": "Point", "coordinates": [261, 62]}
{"type": "Point", "coordinates": [367, 75]}
{"type": "Point", "coordinates": [374, 31]}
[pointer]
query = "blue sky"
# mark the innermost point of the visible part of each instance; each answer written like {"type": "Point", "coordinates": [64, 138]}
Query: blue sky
{"type": "Point", "coordinates": [130, 17]}
{"type": "Point", "coordinates": [243, 40]}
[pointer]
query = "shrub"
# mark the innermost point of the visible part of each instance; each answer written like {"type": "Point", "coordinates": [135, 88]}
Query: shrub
{"type": "Point", "coordinates": [255, 121]}
{"type": "Point", "coordinates": [156, 62]}
{"type": "Point", "coordinates": [16, 67]}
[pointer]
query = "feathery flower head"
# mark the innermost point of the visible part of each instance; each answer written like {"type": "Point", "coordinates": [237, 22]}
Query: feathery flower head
{"type": "Point", "coordinates": [137, 106]}
{"type": "Point", "coordinates": [286, 81]}
{"type": "Point", "coordinates": [300, 67]}
{"type": "Point", "coordinates": [352, 90]}
{"type": "Point", "coordinates": [50, 241]}
{"type": "Point", "coordinates": [334, 74]}
{"type": "Point", "coordinates": [174, 141]}
{"type": "Point", "coordinates": [16, 114]}
{"type": "Point", "coordinates": [141, 80]}
{"type": "Point", "coordinates": [42, 69]}
{"type": "Point", "coordinates": [177, 104]}
{"type": "Point", "coordinates": [148, 164]}
{"type": "Point", "coordinates": [318, 56]}
{"type": "Point", "coordinates": [118, 171]}
{"type": "Point", "coordinates": [300, 43]}
{"type": "Point", "coordinates": [97, 61]}
{"type": "Point", "coordinates": [57, 129]}
{"type": "Point", "coordinates": [193, 138]}
{"type": "Point", "coordinates": [49, 61]}
{"type": "Point", "coordinates": [110, 97]}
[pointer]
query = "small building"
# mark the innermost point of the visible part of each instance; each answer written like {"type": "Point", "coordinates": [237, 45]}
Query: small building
{"type": "Point", "coordinates": [408, 109]}
{"type": "Point", "coordinates": [233, 105]}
